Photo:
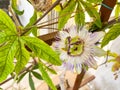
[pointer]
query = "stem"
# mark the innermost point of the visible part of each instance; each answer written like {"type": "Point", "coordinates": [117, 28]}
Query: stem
{"type": "Point", "coordinates": [87, 80]}
{"type": "Point", "coordinates": [47, 24]}
{"type": "Point", "coordinates": [15, 19]}
{"type": "Point", "coordinates": [78, 80]}
{"type": "Point", "coordinates": [50, 28]}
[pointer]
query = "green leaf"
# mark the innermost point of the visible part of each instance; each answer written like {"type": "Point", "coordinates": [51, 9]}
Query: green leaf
{"type": "Point", "coordinates": [65, 14]}
{"type": "Point", "coordinates": [92, 13]}
{"type": "Point", "coordinates": [42, 50]}
{"type": "Point", "coordinates": [31, 22]}
{"type": "Point", "coordinates": [79, 16]}
{"type": "Point", "coordinates": [117, 11]}
{"type": "Point", "coordinates": [37, 75]}
{"type": "Point", "coordinates": [46, 77]}
{"type": "Point", "coordinates": [14, 6]}
{"type": "Point", "coordinates": [113, 33]}
{"type": "Point", "coordinates": [94, 1]}
{"type": "Point", "coordinates": [6, 24]}
{"type": "Point", "coordinates": [22, 57]}
{"type": "Point", "coordinates": [34, 31]}
{"type": "Point", "coordinates": [35, 67]}
{"type": "Point", "coordinates": [31, 83]}
{"type": "Point", "coordinates": [7, 53]}
{"type": "Point", "coordinates": [32, 19]}
{"type": "Point", "coordinates": [51, 70]}
{"type": "Point", "coordinates": [4, 37]}
{"type": "Point", "coordinates": [21, 77]}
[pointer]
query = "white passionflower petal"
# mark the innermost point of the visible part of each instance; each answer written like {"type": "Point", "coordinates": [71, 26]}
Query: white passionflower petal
{"type": "Point", "coordinates": [73, 31]}
{"type": "Point", "coordinates": [83, 33]}
{"type": "Point", "coordinates": [93, 63]}
{"type": "Point", "coordinates": [63, 35]}
{"type": "Point", "coordinates": [77, 48]}
{"type": "Point", "coordinates": [96, 36]}
{"type": "Point", "coordinates": [56, 45]}
{"type": "Point", "coordinates": [63, 56]}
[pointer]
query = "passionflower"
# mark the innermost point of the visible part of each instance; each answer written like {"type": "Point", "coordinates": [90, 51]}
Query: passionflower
{"type": "Point", "coordinates": [77, 48]}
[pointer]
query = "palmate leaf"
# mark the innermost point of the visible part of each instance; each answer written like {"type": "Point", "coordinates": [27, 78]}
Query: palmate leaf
{"type": "Point", "coordinates": [6, 24]}
{"type": "Point", "coordinates": [46, 77]}
{"type": "Point", "coordinates": [80, 16]}
{"type": "Point", "coordinates": [42, 50]}
{"type": "Point", "coordinates": [65, 14]}
{"type": "Point", "coordinates": [22, 57]}
{"type": "Point", "coordinates": [7, 53]}
{"type": "Point", "coordinates": [14, 6]}
{"type": "Point", "coordinates": [92, 13]}
{"type": "Point", "coordinates": [113, 33]}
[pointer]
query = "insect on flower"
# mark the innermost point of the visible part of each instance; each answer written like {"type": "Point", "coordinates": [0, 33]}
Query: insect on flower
{"type": "Point", "coordinates": [78, 48]}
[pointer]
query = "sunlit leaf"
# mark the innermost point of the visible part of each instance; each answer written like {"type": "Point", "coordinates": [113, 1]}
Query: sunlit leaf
{"type": "Point", "coordinates": [65, 14]}
{"type": "Point", "coordinates": [79, 16]}
{"type": "Point", "coordinates": [31, 83]}
{"type": "Point", "coordinates": [42, 50]}
{"type": "Point", "coordinates": [37, 75]}
{"type": "Point", "coordinates": [15, 8]}
{"type": "Point", "coordinates": [94, 1]}
{"type": "Point", "coordinates": [113, 33]}
{"type": "Point", "coordinates": [117, 11]}
{"type": "Point", "coordinates": [7, 53]}
{"type": "Point", "coordinates": [34, 31]}
{"type": "Point", "coordinates": [6, 23]}
{"type": "Point", "coordinates": [4, 37]}
{"type": "Point", "coordinates": [46, 77]}
{"type": "Point", "coordinates": [22, 57]}
{"type": "Point", "coordinates": [92, 13]}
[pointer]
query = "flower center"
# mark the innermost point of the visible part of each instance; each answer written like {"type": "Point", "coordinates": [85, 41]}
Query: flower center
{"type": "Point", "coordinates": [74, 46]}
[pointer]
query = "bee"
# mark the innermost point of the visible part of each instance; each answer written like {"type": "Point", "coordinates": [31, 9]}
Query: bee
{"type": "Point", "coordinates": [41, 5]}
